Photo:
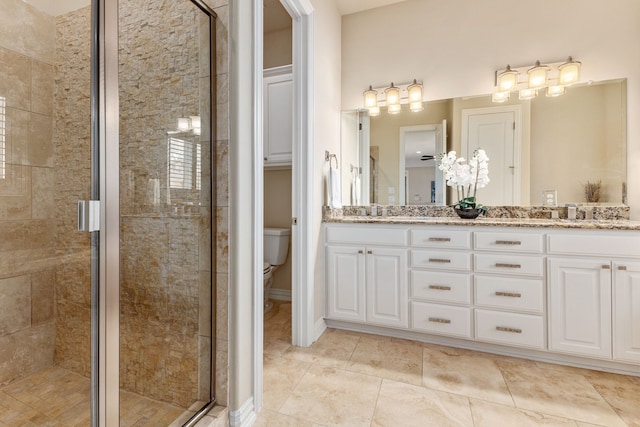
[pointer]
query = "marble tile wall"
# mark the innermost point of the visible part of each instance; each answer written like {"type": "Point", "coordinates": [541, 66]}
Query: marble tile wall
{"type": "Point", "coordinates": [27, 219]}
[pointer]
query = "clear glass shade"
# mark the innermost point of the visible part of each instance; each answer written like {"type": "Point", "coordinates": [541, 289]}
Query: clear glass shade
{"type": "Point", "coordinates": [370, 98]}
{"type": "Point", "coordinates": [415, 92]}
{"type": "Point", "coordinates": [507, 80]}
{"type": "Point", "coordinates": [525, 94]}
{"type": "Point", "coordinates": [392, 95]}
{"type": "Point", "coordinates": [569, 72]}
{"type": "Point", "coordinates": [557, 90]}
{"type": "Point", "coordinates": [500, 96]}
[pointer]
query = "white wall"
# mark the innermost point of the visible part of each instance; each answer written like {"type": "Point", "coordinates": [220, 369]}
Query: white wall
{"type": "Point", "coordinates": [455, 46]}
{"type": "Point", "coordinates": [326, 132]}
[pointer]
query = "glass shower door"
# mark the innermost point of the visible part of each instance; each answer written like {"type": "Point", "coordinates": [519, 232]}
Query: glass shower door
{"type": "Point", "coordinates": [165, 93]}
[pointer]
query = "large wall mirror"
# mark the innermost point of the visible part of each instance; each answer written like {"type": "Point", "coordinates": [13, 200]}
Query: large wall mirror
{"type": "Point", "coordinates": [543, 144]}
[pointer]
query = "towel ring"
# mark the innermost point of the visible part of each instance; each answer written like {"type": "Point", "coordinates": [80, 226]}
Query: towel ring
{"type": "Point", "coordinates": [328, 157]}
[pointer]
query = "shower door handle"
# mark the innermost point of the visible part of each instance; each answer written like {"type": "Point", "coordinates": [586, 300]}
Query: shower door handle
{"type": "Point", "coordinates": [89, 215]}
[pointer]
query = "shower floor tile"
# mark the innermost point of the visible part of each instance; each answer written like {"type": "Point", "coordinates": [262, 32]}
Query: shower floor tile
{"type": "Point", "coordinates": [56, 397]}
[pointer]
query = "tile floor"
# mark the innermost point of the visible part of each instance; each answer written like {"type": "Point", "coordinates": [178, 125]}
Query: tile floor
{"type": "Point", "coordinates": [57, 397]}
{"type": "Point", "coordinates": [354, 379]}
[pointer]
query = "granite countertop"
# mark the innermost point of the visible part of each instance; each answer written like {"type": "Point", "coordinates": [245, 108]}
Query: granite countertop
{"type": "Point", "coordinates": [621, 224]}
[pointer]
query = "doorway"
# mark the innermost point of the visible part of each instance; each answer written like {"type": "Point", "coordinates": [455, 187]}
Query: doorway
{"type": "Point", "coordinates": [497, 130]}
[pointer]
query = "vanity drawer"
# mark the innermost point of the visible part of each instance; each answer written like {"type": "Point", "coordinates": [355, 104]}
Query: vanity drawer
{"type": "Point", "coordinates": [441, 238]}
{"type": "Point", "coordinates": [444, 260]}
{"type": "Point", "coordinates": [367, 235]}
{"type": "Point", "coordinates": [441, 287]}
{"type": "Point", "coordinates": [509, 264]}
{"type": "Point", "coordinates": [523, 330]}
{"type": "Point", "coordinates": [509, 242]}
{"type": "Point", "coordinates": [512, 293]}
{"type": "Point", "coordinates": [441, 319]}
{"type": "Point", "coordinates": [627, 244]}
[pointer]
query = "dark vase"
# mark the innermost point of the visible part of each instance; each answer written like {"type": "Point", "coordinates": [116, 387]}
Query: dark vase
{"type": "Point", "coordinates": [469, 213]}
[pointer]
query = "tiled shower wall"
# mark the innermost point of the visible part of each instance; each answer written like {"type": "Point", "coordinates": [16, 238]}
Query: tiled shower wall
{"type": "Point", "coordinates": [27, 214]}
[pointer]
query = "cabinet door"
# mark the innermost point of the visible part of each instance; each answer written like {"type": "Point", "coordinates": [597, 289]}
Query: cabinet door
{"type": "Point", "coordinates": [626, 317]}
{"type": "Point", "coordinates": [278, 119]}
{"type": "Point", "coordinates": [387, 292]}
{"type": "Point", "coordinates": [345, 283]}
{"type": "Point", "coordinates": [580, 306]}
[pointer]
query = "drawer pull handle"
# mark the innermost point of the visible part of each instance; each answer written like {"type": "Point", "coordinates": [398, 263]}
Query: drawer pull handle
{"type": "Point", "coordinates": [606, 266]}
{"type": "Point", "coordinates": [440, 260]}
{"type": "Point", "coordinates": [622, 267]}
{"type": "Point", "coordinates": [439, 239]}
{"type": "Point", "coordinates": [438, 320]}
{"type": "Point", "coordinates": [506, 329]}
{"type": "Point", "coordinates": [508, 294]}
{"type": "Point", "coordinates": [369, 252]}
{"type": "Point", "coordinates": [360, 251]}
{"type": "Point", "coordinates": [508, 242]}
{"type": "Point", "coordinates": [440, 287]}
{"type": "Point", "coordinates": [506, 265]}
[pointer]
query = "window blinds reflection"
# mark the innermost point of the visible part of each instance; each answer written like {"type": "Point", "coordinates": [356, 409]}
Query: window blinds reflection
{"type": "Point", "coordinates": [185, 168]}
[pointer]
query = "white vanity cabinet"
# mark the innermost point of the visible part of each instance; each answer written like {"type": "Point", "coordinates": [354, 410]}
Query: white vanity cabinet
{"type": "Point", "coordinates": [626, 319]}
{"type": "Point", "coordinates": [509, 288]}
{"type": "Point", "coordinates": [555, 294]}
{"type": "Point", "coordinates": [278, 116]}
{"type": "Point", "coordinates": [441, 281]}
{"type": "Point", "coordinates": [594, 278]}
{"type": "Point", "coordinates": [367, 282]}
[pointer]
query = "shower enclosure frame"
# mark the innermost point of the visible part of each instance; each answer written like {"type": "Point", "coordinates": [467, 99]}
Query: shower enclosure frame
{"type": "Point", "coordinates": [105, 186]}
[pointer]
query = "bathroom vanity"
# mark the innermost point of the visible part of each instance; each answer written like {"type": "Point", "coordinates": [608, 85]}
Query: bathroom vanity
{"type": "Point", "coordinates": [555, 290]}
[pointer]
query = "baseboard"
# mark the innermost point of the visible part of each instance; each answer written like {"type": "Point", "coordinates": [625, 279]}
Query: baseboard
{"type": "Point", "coordinates": [319, 328]}
{"type": "Point", "coordinates": [280, 294]}
{"type": "Point", "coordinates": [243, 417]}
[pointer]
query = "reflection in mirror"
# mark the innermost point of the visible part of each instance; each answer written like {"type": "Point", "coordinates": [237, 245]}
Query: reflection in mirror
{"type": "Point", "coordinates": [559, 144]}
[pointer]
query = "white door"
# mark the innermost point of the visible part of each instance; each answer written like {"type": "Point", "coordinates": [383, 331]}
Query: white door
{"type": "Point", "coordinates": [580, 306]}
{"type": "Point", "coordinates": [494, 131]}
{"type": "Point", "coordinates": [278, 116]}
{"type": "Point", "coordinates": [387, 294]}
{"type": "Point", "coordinates": [346, 283]}
{"type": "Point", "coordinates": [626, 312]}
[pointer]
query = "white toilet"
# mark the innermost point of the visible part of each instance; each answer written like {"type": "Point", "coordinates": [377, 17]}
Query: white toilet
{"type": "Point", "coordinates": [276, 247]}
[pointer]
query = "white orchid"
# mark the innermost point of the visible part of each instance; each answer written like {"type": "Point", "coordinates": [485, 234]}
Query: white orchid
{"type": "Point", "coordinates": [466, 176]}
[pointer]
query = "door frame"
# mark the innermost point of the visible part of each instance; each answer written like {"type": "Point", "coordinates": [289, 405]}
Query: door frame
{"type": "Point", "coordinates": [517, 140]}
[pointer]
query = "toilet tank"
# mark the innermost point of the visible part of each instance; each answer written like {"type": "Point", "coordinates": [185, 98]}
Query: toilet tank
{"type": "Point", "coordinates": [276, 245]}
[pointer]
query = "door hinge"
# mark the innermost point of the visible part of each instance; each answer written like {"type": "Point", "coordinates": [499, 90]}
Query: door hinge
{"type": "Point", "coordinates": [89, 215]}
{"type": "Point", "coordinates": [359, 126]}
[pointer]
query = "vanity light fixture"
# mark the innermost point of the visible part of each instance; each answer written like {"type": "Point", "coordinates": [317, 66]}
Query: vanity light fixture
{"type": "Point", "coordinates": [507, 80]}
{"type": "Point", "coordinates": [538, 76]}
{"type": "Point", "coordinates": [393, 97]}
{"type": "Point", "coordinates": [555, 77]}
{"type": "Point", "coordinates": [569, 72]}
{"type": "Point", "coordinates": [190, 124]}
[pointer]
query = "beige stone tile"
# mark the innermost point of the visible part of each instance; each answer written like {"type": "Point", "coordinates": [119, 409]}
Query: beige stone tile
{"type": "Point", "coordinates": [42, 296]}
{"type": "Point", "coordinates": [216, 3]}
{"type": "Point", "coordinates": [17, 136]}
{"type": "Point", "coordinates": [42, 193]}
{"type": "Point", "coordinates": [332, 349]}
{"type": "Point", "coordinates": [222, 88]}
{"type": "Point", "coordinates": [204, 368]}
{"type": "Point", "coordinates": [558, 393]}
{"type": "Point", "coordinates": [222, 38]}
{"type": "Point", "coordinates": [464, 373]}
{"type": "Point", "coordinates": [40, 140]}
{"type": "Point", "coordinates": [31, 235]}
{"type": "Point", "coordinates": [15, 304]}
{"type": "Point", "coordinates": [222, 372]}
{"type": "Point", "coordinates": [280, 376]}
{"type": "Point", "coordinates": [27, 351]}
{"type": "Point", "coordinates": [277, 338]}
{"type": "Point", "coordinates": [204, 304]}
{"type": "Point", "coordinates": [222, 240]}
{"type": "Point", "coordinates": [267, 418]}
{"type": "Point", "coordinates": [222, 173]}
{"type": "Point", "coordinates": [15, 194]}
{"type": "Point", "coordinates": [334, 397]}
{"type": "Point", "coordinates": [41, 88]}
{"type": "Point", "coordinates": [621, 392]}
{"type": "Point", "coordinates": [397, 360]}
{"type": "Point", "coordinates": [222, 306]}
{"type": "Point", "coordinates": [408, 405]}
{"type": "Point", "coordinates": [487, 414]}
{"type": "Point", "coordinates": [25, 29]}
{"type": "Point", "coordinates": [15, 79]}
{"type": "Point", "coordinates": [280, 313]}
{"type": "Point", "coordinates": [222, 121]}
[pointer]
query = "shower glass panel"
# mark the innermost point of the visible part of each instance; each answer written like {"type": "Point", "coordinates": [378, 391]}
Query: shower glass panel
{"type": "Point", "coordinates": [165, 91]}
{"type": "Point", "coordinates": [45, 168]}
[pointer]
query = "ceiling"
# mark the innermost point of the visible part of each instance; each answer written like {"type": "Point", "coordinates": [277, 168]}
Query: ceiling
{"type": "Point", "coordinates": [277, 18]}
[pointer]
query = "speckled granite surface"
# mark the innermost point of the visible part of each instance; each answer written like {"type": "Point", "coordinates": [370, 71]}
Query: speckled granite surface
{"type": "Point", "coordinates": [604, 217]}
